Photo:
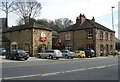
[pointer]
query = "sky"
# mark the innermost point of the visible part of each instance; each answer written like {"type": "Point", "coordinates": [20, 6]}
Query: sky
{"type": "Point", "coordinates": [54, 9]}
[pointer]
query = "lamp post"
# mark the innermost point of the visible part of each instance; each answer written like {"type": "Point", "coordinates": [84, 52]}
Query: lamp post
{"type": "Point", "coordinates": [112, 18]}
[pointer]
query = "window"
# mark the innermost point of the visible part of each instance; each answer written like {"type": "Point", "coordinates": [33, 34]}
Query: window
{"type": "Point", "coordinates": [101, 35]}
{"type": "Point", "coordinates": [89, 46]}
{"type": "Point", "coordinates": [90, 35]}
{"type": "Point", "coordinates": [111, 47]}
{"type": "Point", "coordinates": [67, 36]}
{"type": "Point", "coordinates": [101, 47]}
{"type": "Point", "coordinates": [106, 36]}
{"type": "Point", "coordinates": [111, 36]}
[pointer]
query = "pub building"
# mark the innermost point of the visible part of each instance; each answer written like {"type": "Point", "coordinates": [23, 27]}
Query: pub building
{"type": "Point", "coordinates": [30, 38]}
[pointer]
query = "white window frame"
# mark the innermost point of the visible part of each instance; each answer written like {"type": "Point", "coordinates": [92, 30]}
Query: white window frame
{"type": "Point", "coordinates": [90, 34]}
{"type": "Point", "coordinates": [67, 36]}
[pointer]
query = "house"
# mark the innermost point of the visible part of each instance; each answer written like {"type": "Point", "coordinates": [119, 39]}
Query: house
{"type": "Point", "coordinates": [88, 34]}
{"type": "Point", "coordinates": [28, 38]}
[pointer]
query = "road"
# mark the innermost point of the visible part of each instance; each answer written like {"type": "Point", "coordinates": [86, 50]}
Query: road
{"type": "Point", "coordinates": [98, 68]}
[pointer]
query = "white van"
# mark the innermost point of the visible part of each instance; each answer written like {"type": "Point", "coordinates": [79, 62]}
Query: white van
{"type": "Point", "coordinates": [50, 54]}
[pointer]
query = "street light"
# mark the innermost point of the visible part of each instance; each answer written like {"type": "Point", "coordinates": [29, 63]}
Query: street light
{"type": "Point", "coordinates": [112, 19]}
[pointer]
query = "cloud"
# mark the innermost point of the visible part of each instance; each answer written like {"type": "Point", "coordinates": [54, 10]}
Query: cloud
{"type": "Point", "coordinates": [68, 8]}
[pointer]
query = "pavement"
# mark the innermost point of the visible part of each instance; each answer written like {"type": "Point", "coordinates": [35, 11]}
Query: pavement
{"type": "Point", "coordinates": [4, 60]}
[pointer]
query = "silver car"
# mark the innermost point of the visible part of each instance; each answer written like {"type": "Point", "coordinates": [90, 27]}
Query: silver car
{"type": "Point", "coordinates": [50, 54]}
{"type": "Point", "coordinates": [67, 54]}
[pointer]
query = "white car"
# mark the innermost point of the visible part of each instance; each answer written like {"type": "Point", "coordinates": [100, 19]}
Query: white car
{"type": "Point", "coordinates": [50, 54]}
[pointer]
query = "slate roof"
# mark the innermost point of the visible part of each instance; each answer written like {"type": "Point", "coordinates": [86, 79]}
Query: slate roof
{"type": "Point", "coordinates": [87, 24]}
{"type": "Point", "coordinates": [23, 27]}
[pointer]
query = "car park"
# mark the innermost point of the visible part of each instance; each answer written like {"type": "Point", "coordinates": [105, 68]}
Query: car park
{"type": "Point", "coordinates": [2, 51]}
{"type": "Point", "coordinates": [90, 53]}
{"type": "Point", "coordinates": [79, 54]}
{"type": "Point", "coordinates": [67, 54]}
{"type": "Point", "coordinates": [17, 54]}
{"type": "Point", "coordinates": [50, 54]}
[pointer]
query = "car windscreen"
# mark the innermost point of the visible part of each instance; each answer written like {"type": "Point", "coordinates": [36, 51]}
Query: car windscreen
{"type": "Point", "coordinates": [21, 51]}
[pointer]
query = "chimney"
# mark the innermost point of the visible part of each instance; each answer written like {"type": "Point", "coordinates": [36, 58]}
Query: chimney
{"type": "Point", "coordinates": [93, 18]}
{"type": "Point", "coordinates": [82, 18]}
{"type": "Point", "coordinates": [77, 19]}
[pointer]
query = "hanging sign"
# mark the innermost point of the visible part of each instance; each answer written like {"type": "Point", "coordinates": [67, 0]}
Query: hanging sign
{"type": "Point", "coordinates": [43, 36]}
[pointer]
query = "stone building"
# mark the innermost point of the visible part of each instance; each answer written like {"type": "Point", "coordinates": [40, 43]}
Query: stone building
{"type": "Point", "coordinates": [88, 34]}
{"type": "Point", "coordinates": [28, 38]}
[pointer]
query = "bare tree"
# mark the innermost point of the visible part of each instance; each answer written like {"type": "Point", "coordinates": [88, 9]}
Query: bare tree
{"type": "Point", "coordinates": [6, 6]}
{"type": "Point", "coordinates": [63, 22]}
{"type": "Point", "coordinates": [27, 10]}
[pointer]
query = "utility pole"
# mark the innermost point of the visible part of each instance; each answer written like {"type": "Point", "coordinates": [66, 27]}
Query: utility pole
{"type": "Point", "coordinates": [112, 18]}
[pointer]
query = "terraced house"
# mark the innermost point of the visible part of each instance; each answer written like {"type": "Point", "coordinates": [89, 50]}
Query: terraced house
{"type": "Point", "coordinates": [88, 34]}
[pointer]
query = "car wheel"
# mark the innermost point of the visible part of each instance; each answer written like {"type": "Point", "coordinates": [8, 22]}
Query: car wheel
{"type": "Point", "coordinates": [66, 57]}
{"type": "Point", "coordinates": [38, 56]}
{"type": "Point", "coordinates": [6, 57]}
{"type": "Point", "coordinates": [15, 58]}
{"type": "Point", "coordinates": [57, 58]}
{"type": "Point", "coordinates": [79, 56]}
{"type": "Point", "coordinates": [71, 57]}
{"type": "Point", "coordinates": [11, 58]}
{"type": "Point", "coordinates": [26, 58]}
{"type": "Point", "coordinates": [50, 57]}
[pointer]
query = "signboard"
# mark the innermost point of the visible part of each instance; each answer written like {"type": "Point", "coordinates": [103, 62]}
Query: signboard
{"type": "Point", "coordinates": [43, 36]}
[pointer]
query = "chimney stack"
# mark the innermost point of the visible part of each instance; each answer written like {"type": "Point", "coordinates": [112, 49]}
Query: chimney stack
{"type": "Point", "coordinates": [77, 19]}
{"type": "Point", "coordinates": [93, 18]}
{"type": "Point", "coordinates": [82, 18]}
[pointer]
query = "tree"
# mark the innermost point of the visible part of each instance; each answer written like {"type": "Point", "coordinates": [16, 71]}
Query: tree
{"type": "Point", "coordinates": [63, 22]}
{"type": "Point", "coordinates": [27, 10]}
{"type": "Point", "coordinates": [118, 46]}
{"type": "Point", "coordinates": [20, 21]}
{"type": "Point", "coordinates": [7, 8]}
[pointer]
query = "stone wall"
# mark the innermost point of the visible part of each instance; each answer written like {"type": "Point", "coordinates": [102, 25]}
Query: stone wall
{"type": "Point", "coordinates": [79, 40]}
{"type": "Point", "coordinates": [37, 41]}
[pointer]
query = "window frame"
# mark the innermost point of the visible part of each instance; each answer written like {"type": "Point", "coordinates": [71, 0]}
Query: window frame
{"type": "Point", "coordinates": [101, 35]}
{"type": "Point", "coordinates": [90, 34]}
{"type": "Point", "coordinates": [67, 36]}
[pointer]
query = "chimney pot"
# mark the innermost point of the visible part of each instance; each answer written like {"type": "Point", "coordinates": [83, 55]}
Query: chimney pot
{"type": "Point", "coordinates": [93, 18]}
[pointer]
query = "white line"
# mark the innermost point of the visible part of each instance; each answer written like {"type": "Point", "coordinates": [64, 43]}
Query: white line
{"type": "Point", "coordinates": [91, 68]}
{"type": "Point", "coordinates": [48, 74]}
{"type": "Point", "coordinates": [55, 73]}
{"type": "Point", "coordinates": [22, 76]}
{"type": "Point", "coordinates": [101, 67]}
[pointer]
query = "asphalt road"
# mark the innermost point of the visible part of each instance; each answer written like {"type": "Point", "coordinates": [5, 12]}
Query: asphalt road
{"type": "Point", "coordinates": [99, 68]}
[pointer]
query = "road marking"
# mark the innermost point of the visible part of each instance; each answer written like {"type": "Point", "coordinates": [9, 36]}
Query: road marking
{"type": "Point", "coordinates": [56, 73]}
{"type": "Point", "coordinates": [47, 74]}
{"type": "Point", "coordinates": [101, 67]}
{"type": "Point", "coordinates": [91, 68]}
{"type": "Point", "coordinates": [21, 76]}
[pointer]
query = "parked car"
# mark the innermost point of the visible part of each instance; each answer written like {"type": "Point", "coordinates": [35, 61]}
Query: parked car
{"type": "Point", "coordinates": [67, 54]}
{"type": "Point", "coordinates": [79, 54]}
{"type": "Point", "coordinates": [17, 54]}
{"type": "Point", "coordinates": [90, 53]}
{"type": "Point", "coordinates": [50, 54]}
{"type": "Point", "coordinates": [2, 51]}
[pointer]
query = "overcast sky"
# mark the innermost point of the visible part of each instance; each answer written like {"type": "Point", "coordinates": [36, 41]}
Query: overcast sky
{"type": "Point", "coordinates": [54, 9]}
